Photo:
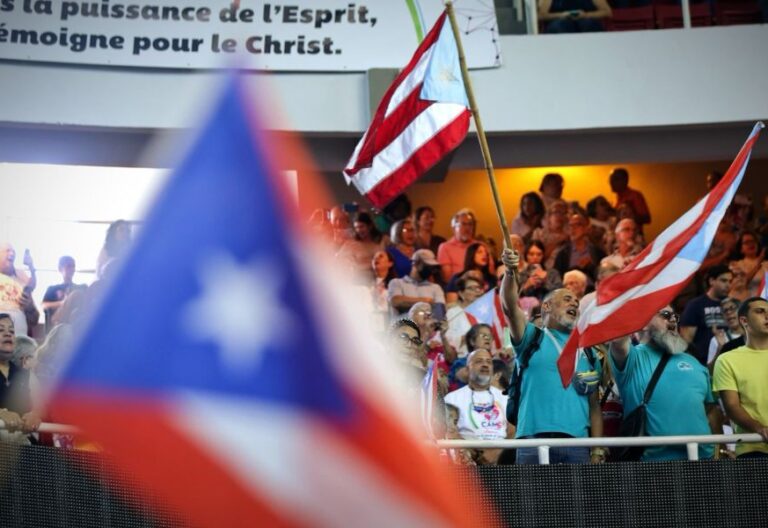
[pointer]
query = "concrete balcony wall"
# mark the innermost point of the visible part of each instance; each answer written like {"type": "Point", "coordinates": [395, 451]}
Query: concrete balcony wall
{"type": "Point", "coordinates": [547, 83]}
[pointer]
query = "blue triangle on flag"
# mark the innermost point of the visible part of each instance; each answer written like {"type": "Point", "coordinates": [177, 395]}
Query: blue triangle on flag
{"type": "Point", "coordinates": [210, 299]}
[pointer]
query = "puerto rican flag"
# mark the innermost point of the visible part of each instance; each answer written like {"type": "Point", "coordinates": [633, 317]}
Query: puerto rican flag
{"type": "Point", "coordinates": [487, 310]}
{"type": "Point", "coordinates": [763, 290]}
{"type": "Point", "coordinates": [423, 116]}
{"type": "Point", "coordinates": [224, 373]}
{"type": "Point", "coordinates": [429, 399]}
{"type": "Point", "coordinates": [625, 302]}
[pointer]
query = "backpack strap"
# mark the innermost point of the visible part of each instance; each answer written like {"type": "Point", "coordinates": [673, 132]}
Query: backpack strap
{"type": "Point", "coordinates": [607, 393]}
{"type": "Point", "coordinates": [655, 378]}
{"type": "Point", "coordinates": [591, 356]}
{"type": "Point", "coordinates": [525, 355]}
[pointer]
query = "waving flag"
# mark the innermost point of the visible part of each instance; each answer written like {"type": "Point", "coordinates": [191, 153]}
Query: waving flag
{"type": "Point", "coordinates": [625, 302]}
{"type": "Point", "coordinates": [422, 117]}
{"type": "Point", "coordinates": [429, 399]}
{"type": "Point", "coordinates": [763, 290]}
{"type": "Point", "coordinates": [213, 373]}
{"type": "Point", "coordinates": [487, 310]}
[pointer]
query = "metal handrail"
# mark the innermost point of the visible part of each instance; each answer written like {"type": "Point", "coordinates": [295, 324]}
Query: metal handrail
{"type": "Point", "coordinates": [55, 428]}
{"type": "Point", "coordinates": [544, 444]}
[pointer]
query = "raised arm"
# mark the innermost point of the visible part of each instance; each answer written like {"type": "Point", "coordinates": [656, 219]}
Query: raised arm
{"type": "Point", "coordinates": [688, 333]}
{"type": "Point", "coordinates": [510, 294]}
{"type": "Point", "coordinates": [30, 264]}
{"type": "Point", "coordinates": [619, 350]}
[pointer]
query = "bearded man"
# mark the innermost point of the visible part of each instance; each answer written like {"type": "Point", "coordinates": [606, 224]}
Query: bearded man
{"type": "Point", "coordinates": [682, 402]}
{"type": "Point", "coordinates": [482, 407]}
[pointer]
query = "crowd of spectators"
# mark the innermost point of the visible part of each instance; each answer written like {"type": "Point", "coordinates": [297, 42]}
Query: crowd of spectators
{"type": "Point", "coordinates": [31, 343]}
{"type": "Point", "coordinates": [424, 291]}
{"type": "Point", "coordinates": [561, 253]}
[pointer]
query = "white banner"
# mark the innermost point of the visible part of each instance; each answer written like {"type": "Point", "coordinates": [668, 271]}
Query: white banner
{"type": "Point", "coordinates": [298, 35]}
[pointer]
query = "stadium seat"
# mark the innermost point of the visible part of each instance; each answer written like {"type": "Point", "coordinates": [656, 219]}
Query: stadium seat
{"type": "Point", "coordinates": [630, 18]}
{"type": "Point", "coordinates": [730, 12]}
{"type": "Point", "coordinates": [671, 16]}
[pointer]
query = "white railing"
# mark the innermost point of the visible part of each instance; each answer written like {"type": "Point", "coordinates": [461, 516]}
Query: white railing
{"type": "Point", "coordinates": [544, 444]}
{"type": "Point", "coordinates": [52, 428]}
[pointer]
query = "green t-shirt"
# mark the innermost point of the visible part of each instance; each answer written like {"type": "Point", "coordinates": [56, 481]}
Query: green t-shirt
{"type": "Point", "coordinates": [745, 370]}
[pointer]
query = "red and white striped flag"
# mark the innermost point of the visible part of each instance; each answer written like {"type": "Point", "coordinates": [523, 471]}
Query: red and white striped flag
{"type": "Point", "coordinates": [487, 310]}
{"type": "Point", "coordinates": [429, 400]}
{"type": "Point", "coordinates": [763, 290]}
{"type": "Point", "coordinates": [423, 116]}
{"type": "Point", "coordinates": [625, 302]}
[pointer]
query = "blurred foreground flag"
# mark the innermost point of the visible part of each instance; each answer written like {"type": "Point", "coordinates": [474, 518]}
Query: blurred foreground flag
{"type": "Point", "coordinates": [422, 117]}
{"type": "Point", "coordinates": [218, 373]}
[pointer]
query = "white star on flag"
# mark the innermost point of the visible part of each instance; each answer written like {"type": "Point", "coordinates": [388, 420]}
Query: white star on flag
{"type": "Point", "coordinates": [483, 310]}
{"type": "Point", "coordinates": [446, 74]}
{"type": "Point", "coordinates": [238, 309]}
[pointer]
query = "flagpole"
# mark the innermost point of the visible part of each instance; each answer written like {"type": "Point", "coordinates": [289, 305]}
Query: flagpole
{"type": "Point", "coordinates": [478, 125]}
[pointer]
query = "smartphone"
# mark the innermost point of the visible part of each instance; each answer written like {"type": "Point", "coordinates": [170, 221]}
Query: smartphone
{"type": "Point", "coordinates": [573, 13]}
{"type": "Point", "coordinates": [438, 311]}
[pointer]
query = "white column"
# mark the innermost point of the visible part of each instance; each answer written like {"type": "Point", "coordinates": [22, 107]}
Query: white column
{"type": "Point", "coordinates": [533, 17]}
{"type": "Point", "coordinates": [686, 14]}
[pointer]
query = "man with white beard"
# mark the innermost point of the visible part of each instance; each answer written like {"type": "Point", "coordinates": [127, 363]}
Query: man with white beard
{"type": "Point", "coordinates": [682, 402]}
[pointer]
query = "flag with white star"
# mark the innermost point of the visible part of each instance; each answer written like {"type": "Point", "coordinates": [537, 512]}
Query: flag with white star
{"type": "Point", "coordinates": [212, 371]}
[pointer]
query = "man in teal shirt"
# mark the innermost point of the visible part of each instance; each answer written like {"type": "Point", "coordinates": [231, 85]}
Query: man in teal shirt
{"type": "Point", "coordinates": [682, 402]}
{"type": "Point", "coordinates": [547, 409]}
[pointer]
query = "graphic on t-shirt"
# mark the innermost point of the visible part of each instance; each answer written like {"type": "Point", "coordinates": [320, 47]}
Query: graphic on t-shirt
{"type": "Point", "coordinates": [684, 365]}
{"type": "Point", "coordinates": [485, 416]}
{"type": "Point", "coordinates": [714, 317]}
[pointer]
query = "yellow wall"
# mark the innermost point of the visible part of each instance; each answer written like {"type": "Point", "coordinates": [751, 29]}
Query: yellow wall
{"type": "Point", "coordinates": [669, 189]}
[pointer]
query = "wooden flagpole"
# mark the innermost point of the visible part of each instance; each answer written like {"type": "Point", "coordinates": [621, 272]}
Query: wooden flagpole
{"type": "Point", "coordinates": [478, 125]}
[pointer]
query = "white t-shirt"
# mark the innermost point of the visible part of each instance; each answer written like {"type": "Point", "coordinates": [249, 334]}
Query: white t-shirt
{"type": "Point", "coordinates": [714, 345]}
{"type": "Point", "coordinates": [482, 414]}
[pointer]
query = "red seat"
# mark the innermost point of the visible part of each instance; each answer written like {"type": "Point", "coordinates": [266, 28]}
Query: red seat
{"type": "Point", "coordinates": [630, 18]}
{"type": "Point", "coordinates": [730, 12]}
{"type": "Point", "coordinates": [671, 16]}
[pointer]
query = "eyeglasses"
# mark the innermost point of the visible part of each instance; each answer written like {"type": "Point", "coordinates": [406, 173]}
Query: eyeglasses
{"type": "Point", "coordinates": [474, 288]}
{"type": "Point", "coordinates": [405, 338]}
{"type": "Point", "coordinates": [668, 315]}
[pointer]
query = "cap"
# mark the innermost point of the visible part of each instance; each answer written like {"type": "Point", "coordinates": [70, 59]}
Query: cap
{"type": "Point", "coordinates": [426, 256]}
